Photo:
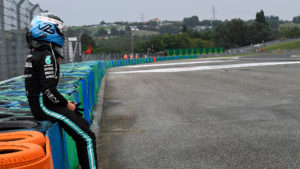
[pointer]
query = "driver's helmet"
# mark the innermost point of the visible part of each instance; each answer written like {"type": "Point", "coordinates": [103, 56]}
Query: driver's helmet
{"type": "Point", "coordinates": [48, 28]}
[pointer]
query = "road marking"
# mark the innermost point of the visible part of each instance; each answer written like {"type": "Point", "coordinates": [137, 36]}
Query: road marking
{"type": "Point", "coordinates": [212, 67]}
{"type": "Point", "coordinates": [181, 63]}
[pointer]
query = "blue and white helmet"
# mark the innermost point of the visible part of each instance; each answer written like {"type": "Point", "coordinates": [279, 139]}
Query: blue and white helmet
{"type": "Point", "coordinates": [47, 27]}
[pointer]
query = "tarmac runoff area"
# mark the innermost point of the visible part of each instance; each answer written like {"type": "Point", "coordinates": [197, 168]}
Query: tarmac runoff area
{"type": "Point", "coordinates": [221, 113]}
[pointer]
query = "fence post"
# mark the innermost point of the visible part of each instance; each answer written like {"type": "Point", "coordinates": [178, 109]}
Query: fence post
{"type": "Point", "coordinates": [32, 11]}
{"type": "Point", "coordinates": [2, 40]}
{"type": "Point", "coordinates": [19, 34]}
{"type": "Point", "coordinates": [78, 54]}
{"type": "Point", "coordinates": [1, 15]}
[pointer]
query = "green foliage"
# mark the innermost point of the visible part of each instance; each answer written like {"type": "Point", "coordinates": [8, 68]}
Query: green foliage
{"type": "Point", "coordinates": [114, 32]}
{"type": "Point", "coordinates": [118, 44]}
{"type": "Point", "coordinates": [276, 34]}
{"type": "Point", "coordinates": [210, 23]}
{"type": "Point", "coordinates": [174, 41]}
{"type": "Point", "coordinates": [191, 22]}
{"type": "Point", "coordinates": [184, 29]}
{"type": "Point", "coordinates": [127, 28]}
{"type": "Point", "coordinates": [260, 17]}
{"type": "Point", "coordinates": [102, 23]}
{"type": "Point", "coordinates": [102, 32]}
{"type": "Point", "coordinates": [180, 34]}
{"type": "Point", "coordinates": [259, 32]}
{"type": "Point", "coordinates": [291, 32]}
{"type": "Point", "coordinates": [169, 29]}
{"type": "Point", "coordinates": [296, 19]}
{"type": "Point", "coordinates": [208, 34]}
{"type": "Point", "coordinates": [236, 33]}
{"type": "Point", "coordinates": [221, 36]}
{"type": "Point", "coordinates": [282, 46]}
{"type": "Point", "coordinates": [273, 22]}
{"type": "Point", "coordinates": [87, 40]}
{"type": "Point", "coordinates": [289, 25]}
{"type": "Point", "coordinates": [195, 34]}
{"type": "Point", "coordinates": [144, 33]}
{"type": "Point", "coordinates": [107, 50]}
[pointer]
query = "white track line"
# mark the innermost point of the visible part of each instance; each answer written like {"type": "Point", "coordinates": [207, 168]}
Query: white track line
{"type": "Point", "coordinates": [170, 64]}
{"type": "Point", "coordinates": [212, 67]}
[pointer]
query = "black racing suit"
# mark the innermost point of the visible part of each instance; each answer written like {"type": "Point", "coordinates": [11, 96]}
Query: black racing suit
{"type": "Point", "coordinates": [41, 76]}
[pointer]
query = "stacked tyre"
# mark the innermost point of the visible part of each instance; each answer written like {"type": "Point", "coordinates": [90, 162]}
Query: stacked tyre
{"type": "Point", "coordinates": [25, 150]}
{"type": "Point", "coordinates": [16, 120]}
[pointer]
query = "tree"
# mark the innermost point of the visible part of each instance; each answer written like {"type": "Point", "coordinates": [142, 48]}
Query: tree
{"type": "Point", "coordinates": [184, 29]}
{"type": "Point", "coordinates": [296, 19]}
{"type": "Point", "coordinates": [291, 32]}
{"type": "Point", "coordinates": [273, 22]}
{"type": "Point", "coordinates": [73, 32]}
{"type": "Point", "coordinates": [102, 32]}
{"type": "Point", "coordinates": [169, 29]}
{"type": "Point", "coordinates": [210, 23]}
{"type": "Point", "coordinates": [195, 34]}
{"type": "Point", "coordinates": [114, 32]}
{"type": "Point", "coordinates": [237, 32]}
{"type": "Point", "coordinates": [127, 28]}
{"type": "Point", "coordinates": [208, 34]}
{"type": "Point", "coordinates": [205, 22]}
{"type": "Point", "coordinates": [259, 30]}
{"type": "Point", "coordinates": [260, 17]}
{"type": "Point", "coordinates": [87, 40]}
{"type": "Point", "coordinates": [191, 22]}
{"type": "Point", "coordinates": [154, 42]}
{"type": "Point", "coordinates": [197, 43]}
{"type": "Point", "coordinates": [151, 25]}
{"type": "Point", "coordinates": [221, 36]}
{"type": "Point", "coordinates": [167, 41]}
{"type": "Point", "coordinates": [102, 23]}
{"type": "Point", "coordinates": [259, 33]}
{"type": "Point", "coordinates": [122, 33]}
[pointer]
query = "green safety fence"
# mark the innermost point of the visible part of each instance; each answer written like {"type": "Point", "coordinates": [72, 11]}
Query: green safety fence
{"type": "Point", "coordinates": [195, 51]}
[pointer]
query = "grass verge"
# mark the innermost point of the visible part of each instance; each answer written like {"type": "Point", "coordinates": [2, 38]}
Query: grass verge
{"type": "Point", "coordinates": [284, 46]}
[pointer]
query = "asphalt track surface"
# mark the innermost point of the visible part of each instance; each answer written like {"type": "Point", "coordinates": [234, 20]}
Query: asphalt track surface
{"type": "Point", "coordinates": [207, 114]}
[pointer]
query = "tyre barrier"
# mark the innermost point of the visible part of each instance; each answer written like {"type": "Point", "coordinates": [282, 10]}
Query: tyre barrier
{"type": "Point", "coordinates": [19, 137]}
{"type": "Point", "coordinates": [15, 112]}
{"type": "Point", "coordinates": [19, 118]}
{"type": "Point", "coordinates": [25, 150]}
{"type": "Point", "coordinates": [5, 115]}
{"type": "Point", "coordinates": [17, 125]}
{"type": "Point", "coordinates": [45, 162]}
{"type": "Point", "coordinates": [16, 155]}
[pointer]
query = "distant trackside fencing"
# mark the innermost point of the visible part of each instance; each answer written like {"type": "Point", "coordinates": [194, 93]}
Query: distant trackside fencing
{"type": "Point", "coordinates": [195, 51]}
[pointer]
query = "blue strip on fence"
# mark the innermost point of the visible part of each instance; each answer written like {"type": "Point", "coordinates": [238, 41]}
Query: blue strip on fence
{"type": "Point", "coordinates": [85, 101]}
{"type": "Point", "coordinates": [57, 146]}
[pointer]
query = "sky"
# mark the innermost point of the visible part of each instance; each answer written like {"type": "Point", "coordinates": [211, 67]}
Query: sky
{"type": "Point", "coordinates": [88, 12]}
